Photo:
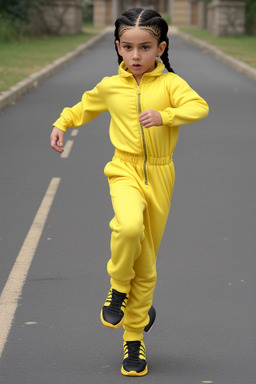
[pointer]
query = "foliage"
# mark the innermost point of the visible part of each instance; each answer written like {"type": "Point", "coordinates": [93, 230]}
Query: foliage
{"type": "Point", "coordinates": [17, 9]}
{"type": "Point", "coordinates": [250, 16]}
{"type": "Point", "coordinates": [13, 19]}
{"type": "Point", "coordinates": [167, 18]}
{"type": "Point", "coordinates": [10, 28]}
{"type": "Point", "coordinates": [88, 11]}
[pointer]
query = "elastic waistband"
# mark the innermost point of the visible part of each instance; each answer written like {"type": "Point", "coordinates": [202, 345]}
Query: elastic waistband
{"type": "Point", "coordinates": [140, 159]}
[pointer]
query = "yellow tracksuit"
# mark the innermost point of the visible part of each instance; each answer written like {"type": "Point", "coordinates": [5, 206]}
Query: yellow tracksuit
{"type": "Point", "coordinates": [141, 174]}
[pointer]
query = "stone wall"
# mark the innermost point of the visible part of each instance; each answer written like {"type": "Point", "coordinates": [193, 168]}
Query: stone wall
{"type": "Point", "coordinates": [60, 17]}
{"type": "Point", "coordinates": [105, 12]}
{"type": "Point", "coordinates": [99, 13]}
{"type": "Point", "coordinates": [180, 12]}
{"type": "Point", "coordinates": [202, 14]}
{"type": "Point", "coordinates": [226, 18]}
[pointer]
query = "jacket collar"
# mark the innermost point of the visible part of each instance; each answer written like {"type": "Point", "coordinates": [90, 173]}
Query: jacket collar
{"type": "Point", "coordinates": [125, 73]}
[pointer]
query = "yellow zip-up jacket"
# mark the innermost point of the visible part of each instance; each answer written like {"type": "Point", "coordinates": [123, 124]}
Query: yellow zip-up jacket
{"type": "Point", "coordinates": [166, 93]}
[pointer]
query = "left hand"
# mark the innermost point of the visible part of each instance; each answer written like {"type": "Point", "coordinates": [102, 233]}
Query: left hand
{"type": "Point", "coordinates": [150, 118]}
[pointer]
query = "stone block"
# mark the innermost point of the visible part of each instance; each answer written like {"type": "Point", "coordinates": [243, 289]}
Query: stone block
{"type": "Point", "coordinates": [226, 18]}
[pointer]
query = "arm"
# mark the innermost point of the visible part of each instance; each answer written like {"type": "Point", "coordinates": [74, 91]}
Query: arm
{"type": "Point", "coordinates": [187, 106]}
{"type": "Point", "coordinates": [91, 105]}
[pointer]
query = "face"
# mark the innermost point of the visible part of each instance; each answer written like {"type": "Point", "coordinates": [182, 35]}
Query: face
{"type": "Point", "coordinates": [139, 49]}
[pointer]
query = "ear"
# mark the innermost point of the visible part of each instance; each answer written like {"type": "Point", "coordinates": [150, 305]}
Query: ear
{"type": "Point", "coordinates": [118, 46]}
{"type": "Point", "coordinates": [161, 48]}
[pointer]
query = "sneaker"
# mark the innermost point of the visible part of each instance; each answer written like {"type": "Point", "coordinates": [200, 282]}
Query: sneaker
{"type": "Point", "coordinates": [152, 317]}
{"type": "Point", "coordinates": [112, 313]}
{"type": "Point", "coordinates": [134, 363]}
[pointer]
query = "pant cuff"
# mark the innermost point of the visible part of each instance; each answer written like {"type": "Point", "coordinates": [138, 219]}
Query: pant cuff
{"type": "Point", "coordinates": [131, 334]}
{"type": "Point", "coordinates": [120, 286]}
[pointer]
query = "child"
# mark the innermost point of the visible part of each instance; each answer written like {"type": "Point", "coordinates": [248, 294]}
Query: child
{"type": "Point", "coordinates": [146, 107]}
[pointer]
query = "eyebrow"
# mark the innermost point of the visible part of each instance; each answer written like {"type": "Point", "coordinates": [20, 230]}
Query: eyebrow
{"type": "Point", "coordinates": [144, 42]}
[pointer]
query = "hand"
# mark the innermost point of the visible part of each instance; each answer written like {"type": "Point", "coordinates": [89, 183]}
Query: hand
{"type": "Point", "coordinates": [57, 139]}
{"type": "Point", "coordinates": [150, 118]}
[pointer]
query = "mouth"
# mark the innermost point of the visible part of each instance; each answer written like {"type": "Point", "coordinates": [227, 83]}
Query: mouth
{"type": "Point", "coordinates": [136, 66]}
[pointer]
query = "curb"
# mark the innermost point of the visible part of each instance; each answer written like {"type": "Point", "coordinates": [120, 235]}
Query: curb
{"type": "Point", "coordinates": [15, 92]}
{"type": "Point", "coordinates": [238, 65]}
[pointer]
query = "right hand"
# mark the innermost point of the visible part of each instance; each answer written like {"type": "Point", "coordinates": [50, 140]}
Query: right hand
{"type": "Point", "coordinates": [57, 139]}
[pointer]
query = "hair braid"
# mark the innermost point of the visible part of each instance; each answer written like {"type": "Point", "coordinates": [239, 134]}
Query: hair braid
{"type": "Point", "coordinates": [165, 57]}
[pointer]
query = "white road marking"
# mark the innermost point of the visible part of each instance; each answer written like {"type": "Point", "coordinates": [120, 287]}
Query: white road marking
{"type": "Point", "coordinates": [31, 323]}
{"type": "Point", "coordinates": [74, 132]}
{"type": "Point", "coordinates": [67, 148]}
{"type": "Point", "coordinates": [11, 293]}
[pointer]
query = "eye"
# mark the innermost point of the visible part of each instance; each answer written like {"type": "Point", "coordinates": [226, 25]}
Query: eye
{"type": "Point", "coordinates": [145, 47]}
{"type": "Point", "coordinates": [127, 47]}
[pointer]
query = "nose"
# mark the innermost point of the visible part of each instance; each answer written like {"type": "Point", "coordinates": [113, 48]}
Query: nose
{"type": "Point", "coordinates": [135, 54]}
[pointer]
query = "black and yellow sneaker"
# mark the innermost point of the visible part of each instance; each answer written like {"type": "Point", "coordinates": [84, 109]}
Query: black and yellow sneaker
{"type": "Point", "coordinates": [112, 313]}
{"type": "Point", "coordinates": [152, 317]}
{"type": "Point", "coordinates": [134, 363]}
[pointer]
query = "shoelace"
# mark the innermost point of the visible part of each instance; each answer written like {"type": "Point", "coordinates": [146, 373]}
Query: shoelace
{"type": "Point", "coordinates": [117, 300]}
{"type": "Point", "coordinates": [134, 350]}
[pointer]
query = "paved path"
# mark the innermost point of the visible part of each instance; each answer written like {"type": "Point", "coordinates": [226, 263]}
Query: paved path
{"type": "Point", "coordinates": [205, 297]}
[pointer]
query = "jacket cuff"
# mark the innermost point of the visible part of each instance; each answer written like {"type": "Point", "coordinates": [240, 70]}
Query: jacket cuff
{"type": "Point", "coordinates": [59, 124]}
{"type": "Point", "coordinates": [166, 117]}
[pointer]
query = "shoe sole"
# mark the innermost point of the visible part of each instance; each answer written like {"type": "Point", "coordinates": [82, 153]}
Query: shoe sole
{"type": "Point", "coordinates": [134, 373]}
{"type": "Point", "coordinates": [114, 326]}
{"type": "Point", "coordinates": [148, 328]}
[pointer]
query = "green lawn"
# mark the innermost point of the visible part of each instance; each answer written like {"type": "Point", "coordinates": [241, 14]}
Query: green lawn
{"type": "Point", "coordinates": [242, 47]}
{"type": "Point", "coordinates": [20, 59]}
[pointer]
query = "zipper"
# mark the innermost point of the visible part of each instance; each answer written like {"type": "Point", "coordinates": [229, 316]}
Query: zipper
{"type": "Point", "coordinates": [144, 142]}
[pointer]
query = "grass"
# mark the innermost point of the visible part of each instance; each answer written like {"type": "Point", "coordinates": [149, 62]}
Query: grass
{"type": "Point", "coordinates": [20, 59]}
{"type": "Point", "coordinates": [241, 47]}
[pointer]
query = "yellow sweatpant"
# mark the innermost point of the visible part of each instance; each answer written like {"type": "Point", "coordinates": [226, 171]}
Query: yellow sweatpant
{"type": "Point", "coordinates": [141, 211]}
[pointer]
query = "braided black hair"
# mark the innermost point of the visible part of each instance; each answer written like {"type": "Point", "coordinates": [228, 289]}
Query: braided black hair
{"type": "Point", "coordinates": [147, 18]}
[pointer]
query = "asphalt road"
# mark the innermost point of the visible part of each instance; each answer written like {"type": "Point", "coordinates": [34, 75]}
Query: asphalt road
{"type": "Point", "coordinates": [205, 297]}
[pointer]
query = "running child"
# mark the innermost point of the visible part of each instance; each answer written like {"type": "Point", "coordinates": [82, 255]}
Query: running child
{"type": "Point", "coordinates": [147, 106]}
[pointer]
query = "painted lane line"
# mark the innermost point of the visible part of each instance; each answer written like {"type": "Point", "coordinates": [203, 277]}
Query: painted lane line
{"type": "Point", "coordinates": [67, 148]}
{"type": "Point", "coordinates": [12, 291]}
{"type": "Point", "coordinates": [74, 132]}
